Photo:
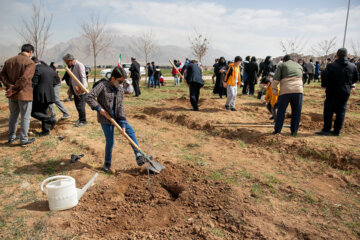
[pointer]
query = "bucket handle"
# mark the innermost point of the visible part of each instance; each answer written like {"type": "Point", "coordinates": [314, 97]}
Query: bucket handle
{"type": "Point", "coordinates": [52, 178]}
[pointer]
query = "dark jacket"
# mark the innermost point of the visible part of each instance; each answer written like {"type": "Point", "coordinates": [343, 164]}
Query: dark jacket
{"type": "Point", "coordinates": [102, 96]}
{"type": "Point", "coordinates": [19, 71]}
{"type": "Point", "coordinates": [251, 70]}
{"type": "Point", "coordinates": [150, 71]}
{"type": "Point", "coordinates": [43, 83]}
{"type": "Point", "coordinates": [193, 74]}
{"type": "Point", "coordinates": [135, 70]}
{"type": "Point", "coordinates": [265, 68]}
{"type": "Point", "coordinates": [338, 77]}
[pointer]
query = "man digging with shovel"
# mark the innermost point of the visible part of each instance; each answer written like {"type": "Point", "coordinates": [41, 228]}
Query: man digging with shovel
{"type": "Point", "coordinates": [110, 99]}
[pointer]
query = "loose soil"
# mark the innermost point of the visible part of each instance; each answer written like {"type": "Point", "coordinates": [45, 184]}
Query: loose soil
{"type": "Point", "coordinates": [219, 182]}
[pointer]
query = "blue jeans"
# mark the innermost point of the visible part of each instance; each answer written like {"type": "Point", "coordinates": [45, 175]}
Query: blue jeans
{"type": "Point", "coordinates": [109, 135]}
{"type": "Point", "coordinates": [151, 79]}
{"type": "Point", "coordinates": [295, 100]}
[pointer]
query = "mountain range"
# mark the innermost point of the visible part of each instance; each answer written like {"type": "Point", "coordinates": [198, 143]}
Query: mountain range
{"type": "Point", "coordinates": [79, 47]}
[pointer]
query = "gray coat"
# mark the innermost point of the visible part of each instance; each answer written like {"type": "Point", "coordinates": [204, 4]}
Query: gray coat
{"type": "Point", "coordinates": [79, 71]}
{"type": "Point", "coordinates": [104, 94]}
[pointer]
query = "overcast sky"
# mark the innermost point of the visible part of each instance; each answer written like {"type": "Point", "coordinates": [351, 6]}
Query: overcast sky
{"type": "Point", "coordinates": [236, 27]}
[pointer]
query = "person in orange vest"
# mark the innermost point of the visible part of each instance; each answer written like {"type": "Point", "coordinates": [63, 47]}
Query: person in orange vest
{"type": "Point", "coordinates": [232, 81]}
{"type": "Point", "coordinates": [270, 98]}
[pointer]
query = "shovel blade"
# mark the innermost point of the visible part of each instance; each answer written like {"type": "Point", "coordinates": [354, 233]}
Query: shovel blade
{"type": "Point", "coordinates": [154, 166]}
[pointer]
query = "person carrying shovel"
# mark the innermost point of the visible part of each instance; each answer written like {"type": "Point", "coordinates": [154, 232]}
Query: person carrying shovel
{"type": "Point", "coordinates": [108, 96]}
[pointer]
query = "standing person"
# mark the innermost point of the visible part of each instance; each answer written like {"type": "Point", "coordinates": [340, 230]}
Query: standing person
{"type": "Point", "coordinates": [43, 83]}
{"type": "Point", "coordinates": [220, 72]}
{"type": "Point", "coordinates": [195, 82]}
{"type": "Point", "coordinates": [150, 75]}
{"type": "Point", "coordinates": [175, 73]}
{"type": "Point", "coordinates": [266, 67]}
{"type": "Point", "coordinates": [317, 71]}
{"type": "Point", "coordinates": [57, 101]}
{"type": "Point", "coordinates": [251, 70]}
{"type": "Point", "coordinates": [110, 99]}
{"type": "Point", "coordinates": [310, 70]}
{"type": "Point", "coordinates": [338, 78]}
{"type": "Point", "coordinates": [245, 90]}
{"type": "Point", "coordinates": [232, 80]}
{"type": "Point", "coordinates": [135, 76]}
{"type": "Point", "coordinates": [17, 76]}
{"type": "Point", "coordinates": [214, 66]}
{"type": "Point", "coordinates": [157, 76]}
{"type": "Point", "coordinates": [78, 69]}
{"type": "Point", "coordinates": [289, 76]}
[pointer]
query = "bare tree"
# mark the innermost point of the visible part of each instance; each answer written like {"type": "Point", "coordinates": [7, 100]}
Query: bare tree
{"type": "Point", "coordinates": [355, 47]}
{"type": "Point", "coordinates": [293, 46]}
{"type": "Point", "coordinates": [36, 30]}
{"type": "Point", "coordinates": [145, 46]}
{"type": "Point", "coordinates": [199, 44]}
{"type": "Point", "coordinates": [324, 48]}
{"type": "Point", "coordinates": [94, 30]}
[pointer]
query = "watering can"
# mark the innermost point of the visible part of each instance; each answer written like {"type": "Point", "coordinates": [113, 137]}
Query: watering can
{"type": "Point", "coordinates": [62, 193]}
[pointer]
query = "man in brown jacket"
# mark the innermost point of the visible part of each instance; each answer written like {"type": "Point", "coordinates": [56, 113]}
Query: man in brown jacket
{"type": "Point", "coordinates": [17, 76]}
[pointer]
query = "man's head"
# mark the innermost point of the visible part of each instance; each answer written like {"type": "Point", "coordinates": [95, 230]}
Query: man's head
{"type": "Point", "coordinates": [153, 63]}
{"type": "Point", "coordinates": [148, 64]}
{"type": "Point", "coordinates": [247, 58]}
{"type": "Point", "coordinates": [287, 57]}
{"type": "Point", "coordinates": [237, 60]}
{"type": "Point", "coordinates": [118, 76]}
{"type": "Point", "coordinates": [133, 59]}
{"type": "Point", "coordinates": [35, 60]}
{"type": "Point", "coordinates": [311, 60]}
{"type": "Point", "coordinates": [341, 53]}
{"type": "Point", "coordinates": [28, 49]}
{"type": "Point", "coordinates": [69, 59]}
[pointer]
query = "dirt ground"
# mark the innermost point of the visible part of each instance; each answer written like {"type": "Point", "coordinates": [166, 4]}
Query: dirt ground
{"type": "Point", "coordinates": [219, 183]}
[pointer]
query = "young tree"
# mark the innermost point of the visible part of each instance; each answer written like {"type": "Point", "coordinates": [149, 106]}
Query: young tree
{"type": "Point", "coordinates": [94, 30]}
{"type": "Point", "coordinates": [324, 48]}
{"type": "Point", "coordinates": [36, 30]}
{"type": "Point", "coordinates": [355, 47]}
{"type": "Point", "coordinates": [199, 45]}
{"type": "Point", "coordinates": [145, 46]}
{"type": "Point", "coordinates": [293, 47]}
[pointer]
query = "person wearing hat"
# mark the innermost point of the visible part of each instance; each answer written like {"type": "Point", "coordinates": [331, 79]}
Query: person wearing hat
{"type": "Point", "coordinates": [338, 79]}
{"type": "Point", "coordinates": [78, 69]}
{"type": "Point", "coordinates": [135, 76]}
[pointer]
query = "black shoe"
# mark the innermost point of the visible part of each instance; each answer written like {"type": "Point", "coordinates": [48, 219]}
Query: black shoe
{"type": "Point", "coordinates": [272, 118]}
{"type": "Point", "coordinates": [27, 142]}
{"type": "Point", "coordinates": [42, 134]}
{"type": "Point", "coordinates": [195, 109]}
{"type": "Point", "coordinates": [140, 160]}
{"type": "Point", "coordinates": [337, 134]}
{"type": "Point", "coordinates": [13, 140]}
{"type": "Point", "coordinates": [233, 109]}
{"type": "Point", "coordinates": [227, 107]}
{"type": "Point", "coordinates": [106, 168]}
{"type": "Point", "coordinates": [324, 133]}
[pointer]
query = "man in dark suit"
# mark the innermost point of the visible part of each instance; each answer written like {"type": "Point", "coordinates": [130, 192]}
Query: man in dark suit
{"type": "Point", "coordinates": [195, 82]}
{"type": "Point", "coordinates": [43, 83]}
{"type": "Point", "coordinates": [338, 78]}
{"type": "Point", "coordinates": [135, 76]}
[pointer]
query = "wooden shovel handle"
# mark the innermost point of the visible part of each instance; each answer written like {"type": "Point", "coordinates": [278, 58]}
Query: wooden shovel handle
{"type": "Point", "coordinates": [178, 71]}
{"type": "Point", "coordinates": [106, 113]}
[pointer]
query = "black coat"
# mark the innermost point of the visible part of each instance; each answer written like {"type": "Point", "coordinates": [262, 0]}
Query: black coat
{"type": "Point", "coordinates": [251, 70]}
{"type": "Point", "coordinates": [135, 70]}
{"type": "Point", "coordinates": [265, 68]}
{"type": "Point", "coordinates": [338, 77]}
{"type": "Point", "coordinates": [43, 83]}
{"type": "Point", "coordinates": [193, 74]}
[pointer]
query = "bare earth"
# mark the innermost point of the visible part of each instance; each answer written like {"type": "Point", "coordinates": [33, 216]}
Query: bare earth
{"type": "Point", "coordinates": [219, 183]}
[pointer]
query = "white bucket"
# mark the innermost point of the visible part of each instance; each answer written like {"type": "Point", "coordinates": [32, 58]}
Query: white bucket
{"type": "Point", "coordinates": [62, 193]}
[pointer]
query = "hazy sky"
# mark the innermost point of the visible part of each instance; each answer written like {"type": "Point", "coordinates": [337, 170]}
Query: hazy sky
{"type": "Point", "coordinates": [235, 27]}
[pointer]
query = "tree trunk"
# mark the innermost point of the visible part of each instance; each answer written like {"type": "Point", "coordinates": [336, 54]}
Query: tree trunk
{"type": "Point", "coordinates": [94, 69]}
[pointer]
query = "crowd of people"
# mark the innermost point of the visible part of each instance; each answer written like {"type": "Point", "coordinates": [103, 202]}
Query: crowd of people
{"type": "Point", "coordinates": [32, 88]}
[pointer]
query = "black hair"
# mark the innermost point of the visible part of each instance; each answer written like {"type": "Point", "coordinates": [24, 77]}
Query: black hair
{"type": "Point", "coordinates": [267, 59]}
{"type": "Point", "coordinates": [253, 59]}
{"type": "Point", "coordinates": [153, 63]}
{"type": "Point", "coordinates": [264, 80]}
{"type": "Point", "coordinates": [237, 59]}
{"type": "Point", "coordinates": [27, 48]}
{"type": "Point", "coordinates": [341, 53]}
{"type": "Point", "coordinates": [35, 59]}
{"type": "Point", "coordinates": [247, 58]}
{"type": "Point", "coordinates": [287, 57]}
{"type": "Point", "coordinates": [118, 72]}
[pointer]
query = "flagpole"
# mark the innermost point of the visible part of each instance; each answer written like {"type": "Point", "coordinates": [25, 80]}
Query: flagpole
{"type": "Point", "coordinates": [347, 17]}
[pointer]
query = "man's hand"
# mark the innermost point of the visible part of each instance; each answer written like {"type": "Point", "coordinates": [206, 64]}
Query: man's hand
{"type": "Point", "coordinates": [9, 92]}
{"type": "Point", "coordinates": [222, 71]}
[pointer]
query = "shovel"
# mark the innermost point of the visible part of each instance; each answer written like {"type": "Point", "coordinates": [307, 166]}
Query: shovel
{"type": "Point", "coordinates": [151, 165]}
